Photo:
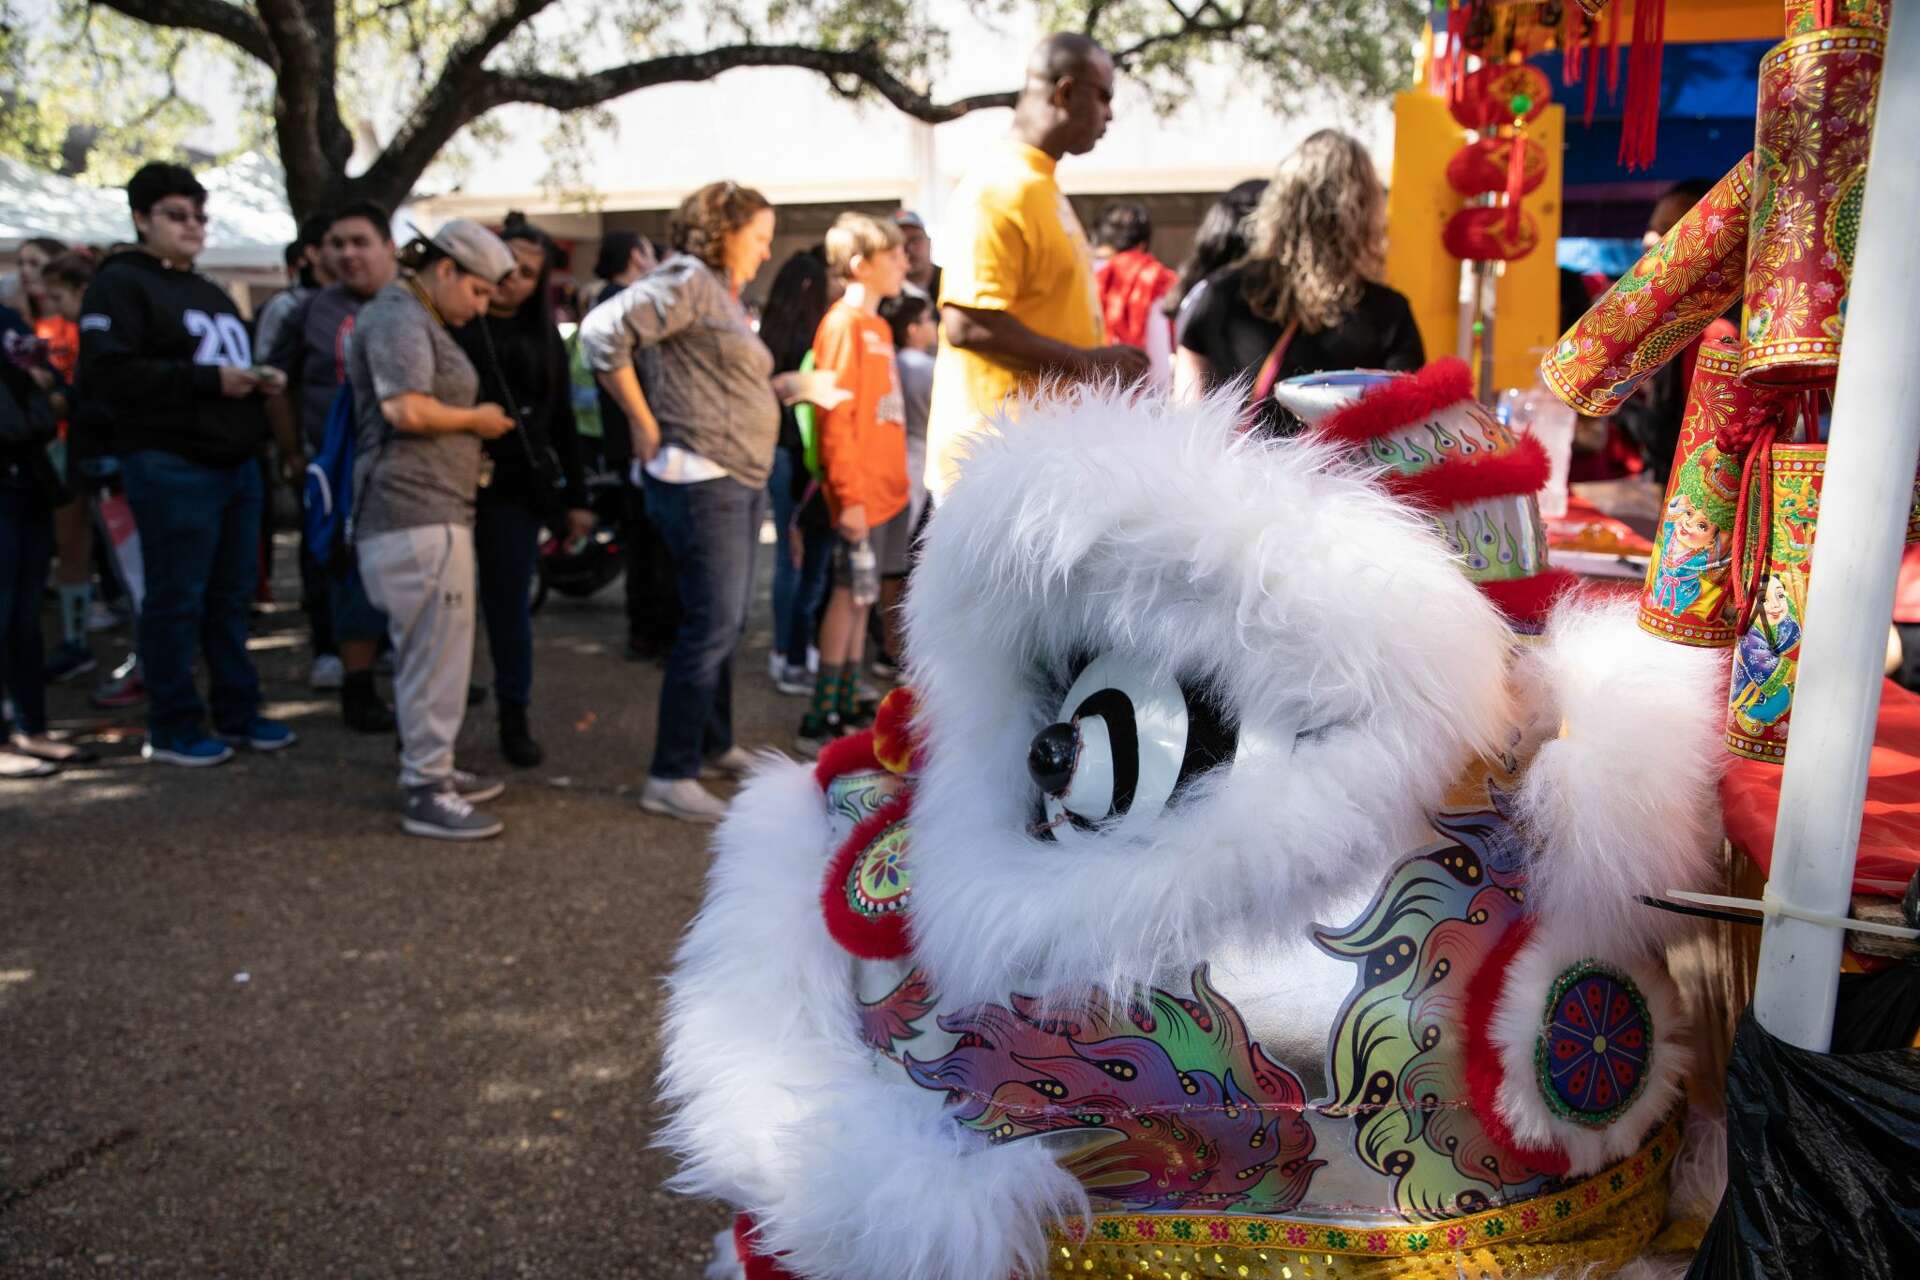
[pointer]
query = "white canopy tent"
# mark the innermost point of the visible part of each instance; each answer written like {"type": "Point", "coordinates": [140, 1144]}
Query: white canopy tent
{"type": "Point", "coordinates": [251, 223]}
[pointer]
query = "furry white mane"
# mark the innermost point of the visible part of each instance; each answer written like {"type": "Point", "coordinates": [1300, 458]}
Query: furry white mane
{"type": "Point", "coordinates": [1274, 573]}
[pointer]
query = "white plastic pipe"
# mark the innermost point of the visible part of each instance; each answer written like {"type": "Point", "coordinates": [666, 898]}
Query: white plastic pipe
{"type": "Point", "coordinates": [1863, 515]}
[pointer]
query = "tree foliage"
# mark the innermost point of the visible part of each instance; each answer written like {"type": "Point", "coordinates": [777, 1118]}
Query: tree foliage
{"type": "Point", "coordinates": [359, 97]}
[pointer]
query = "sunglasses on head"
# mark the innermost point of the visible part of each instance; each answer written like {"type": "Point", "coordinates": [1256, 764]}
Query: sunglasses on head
{"type": "Point", "coordinates": [174, 213]}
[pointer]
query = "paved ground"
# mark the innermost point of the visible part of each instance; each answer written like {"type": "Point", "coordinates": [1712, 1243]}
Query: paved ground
{"type": "Point", "coordinates": [247, 1028]}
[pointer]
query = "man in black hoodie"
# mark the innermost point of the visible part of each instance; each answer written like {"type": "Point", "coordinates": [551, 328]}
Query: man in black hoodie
{"type": "Point", "coordinates": [169, 353]}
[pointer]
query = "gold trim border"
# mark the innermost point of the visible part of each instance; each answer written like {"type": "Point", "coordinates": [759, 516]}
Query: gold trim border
{"type": "Point", "coordinates": [1506, 1226]}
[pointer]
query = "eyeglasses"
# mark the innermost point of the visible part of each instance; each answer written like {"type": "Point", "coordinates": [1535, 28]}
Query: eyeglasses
{"type": "Point", "coordinates": [174, 213]}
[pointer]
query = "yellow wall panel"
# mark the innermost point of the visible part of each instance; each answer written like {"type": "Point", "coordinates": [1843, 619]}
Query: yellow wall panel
{"type": "Point", "coordinates": [1527, 307]}
{"type": "Point", "coordinates": [1419, 202]}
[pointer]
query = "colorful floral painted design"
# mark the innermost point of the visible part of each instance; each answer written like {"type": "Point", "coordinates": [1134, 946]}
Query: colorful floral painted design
{"type": "Point", "coordinates": [1396, 1062]}
{"type": "Point", "coordinates": [1663, 302]}
{"type": "Point", "coordinates": [1816, 105]}
{"type": "Point", "coordinates": [878, 883]}
{"type": "Point", "coordinates": [1188, 1112]}
{"type": "Point", "coordinates": [1595, 1050]}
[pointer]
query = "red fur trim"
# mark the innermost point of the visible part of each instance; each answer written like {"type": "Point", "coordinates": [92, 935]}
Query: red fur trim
{"type": "Point", "coordinates": [1528, 601]}
{"type": "Point", "coordinates": [758, 1266]}
{"type": "Point", "coordinates": [882, 939]}
{"type": "Point", "coordinates": [851, 754]}
{"type": "Point", "coordinates": [1485, 1078]}
{"type": "Point", "coordinates": [1522, 470]}
{"type": "Point", "coordinates": [893, 737]}
{"type": "Point", "coordinates": [1401, 402]}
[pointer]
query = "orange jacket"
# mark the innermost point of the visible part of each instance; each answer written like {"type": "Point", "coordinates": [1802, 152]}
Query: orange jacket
{"type": "Point", "coordinates": [863, 442]}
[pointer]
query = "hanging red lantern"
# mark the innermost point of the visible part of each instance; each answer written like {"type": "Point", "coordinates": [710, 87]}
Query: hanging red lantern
{"type": "Point", "coordinates": [1482, 234]}
{"type": "Point", "coordinates": [1486, 99]}
{"type": "Point", "coordinates": [1481, 167]}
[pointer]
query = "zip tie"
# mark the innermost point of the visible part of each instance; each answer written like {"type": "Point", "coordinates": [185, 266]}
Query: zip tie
{"type": "Point", "coordinates": [1769, 905]}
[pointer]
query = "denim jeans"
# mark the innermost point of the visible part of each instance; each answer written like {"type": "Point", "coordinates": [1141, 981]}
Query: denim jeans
{"type": "Point", "coordinates": [200, 537]}
{"type": "Point", "coordinates": [786, 578]}
{"type": "Point", "coordinates": [712, 529]}
{"type": "Point", "coordinates": [653, 608]}
{"type": "Point", "coordinates": [811, 583]}
{"type": "Point", "coordinates": [26, 549]}
{"type": "Point", "coordinates": [506, 546]}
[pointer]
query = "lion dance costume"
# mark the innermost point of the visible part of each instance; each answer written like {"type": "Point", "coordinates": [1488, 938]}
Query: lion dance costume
{"type": "Point", "coordinates": [1246, 888]}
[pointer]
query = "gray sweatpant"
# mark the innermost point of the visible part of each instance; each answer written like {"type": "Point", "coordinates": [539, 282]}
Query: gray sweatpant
{"type": "Point", "coordinates": [422, 579]}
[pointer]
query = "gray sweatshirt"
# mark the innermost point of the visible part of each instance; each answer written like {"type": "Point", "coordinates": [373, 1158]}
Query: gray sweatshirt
{"type": "Point", "coordinates": [711, 383]}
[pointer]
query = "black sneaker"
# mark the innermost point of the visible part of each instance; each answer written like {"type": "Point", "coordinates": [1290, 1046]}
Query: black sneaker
{"type": "Point", "coordinates": [68, 662]}
{"type": "Point", "coordinates": [816, 732]}
{"type": "Point", "coordinates": [366, 713]}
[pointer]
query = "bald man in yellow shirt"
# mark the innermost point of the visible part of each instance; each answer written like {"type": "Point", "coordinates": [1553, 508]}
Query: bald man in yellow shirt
{"type": "Point", "coordinates": [1018, 302]}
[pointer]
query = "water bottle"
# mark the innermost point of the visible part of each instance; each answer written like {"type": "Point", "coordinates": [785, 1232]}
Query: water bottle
{"type": "Point", "coordinates": [866, 573]}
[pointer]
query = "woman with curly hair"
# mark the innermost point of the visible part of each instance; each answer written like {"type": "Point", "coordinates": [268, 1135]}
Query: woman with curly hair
{"type": "Point", "coordinates": [1305, 298]}
{"type": "Point", "coordinates": [704, 434]}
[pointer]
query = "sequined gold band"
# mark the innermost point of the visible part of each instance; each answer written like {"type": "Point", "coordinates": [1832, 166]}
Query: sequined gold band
{"type": "Point", "coordinates": [1608, 1218]}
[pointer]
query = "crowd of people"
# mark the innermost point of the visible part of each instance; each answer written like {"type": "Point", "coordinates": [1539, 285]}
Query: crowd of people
{"type": "Point", "coordinates": [434, 391]}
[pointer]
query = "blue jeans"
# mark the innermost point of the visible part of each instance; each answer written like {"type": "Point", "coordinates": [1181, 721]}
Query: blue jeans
{"type": "Point", "coordinates": [786, 578]}
{"type": "Point", "coordinates": [712, 529]}
{"type": "Point", "coordinates": [26, 549]}
{"type": "Point", "coordinates": [506, 548]}
{"type": "Point", "coordinates": [200, 537]}
{"type": "Point", "coordinates": [812, 581]}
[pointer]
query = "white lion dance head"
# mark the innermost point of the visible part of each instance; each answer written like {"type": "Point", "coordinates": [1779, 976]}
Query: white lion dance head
{"type": "Point", "coordinates": [1238, 893]}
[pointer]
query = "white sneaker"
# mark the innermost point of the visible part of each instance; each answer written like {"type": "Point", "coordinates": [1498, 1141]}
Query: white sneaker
{"type": "Point", "coordinates": [794, 681]}
{"type": "Point", "coordinates": [682, 798]}
{"type": "Point", "coordinates": [328, 673]}
{"type": "Point", "coordinates": [813, 661]}
{"type": "Point", "coordinates": [734, 762]}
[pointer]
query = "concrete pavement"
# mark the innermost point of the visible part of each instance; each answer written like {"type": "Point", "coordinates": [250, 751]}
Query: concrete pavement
{"type": "Point", "coordinates": [248, 1028]}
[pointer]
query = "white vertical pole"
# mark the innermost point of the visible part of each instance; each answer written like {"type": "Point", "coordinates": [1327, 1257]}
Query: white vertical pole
{"type": "Point", "coordinates": [1863, 514]}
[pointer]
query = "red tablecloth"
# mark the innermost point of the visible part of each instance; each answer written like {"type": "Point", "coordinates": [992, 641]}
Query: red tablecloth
{"type": "Point", "coordinates": [1587, 528]}
{"type": "Point", "coordinates": [1890, 828]}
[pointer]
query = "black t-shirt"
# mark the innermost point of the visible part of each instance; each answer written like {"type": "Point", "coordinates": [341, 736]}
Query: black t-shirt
{"type": "Point", "coordinates": [1217, 324]}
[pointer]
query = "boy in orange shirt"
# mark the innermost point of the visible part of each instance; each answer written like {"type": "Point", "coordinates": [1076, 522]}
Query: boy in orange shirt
{"type": "Point", "coordinates": [863, 453]}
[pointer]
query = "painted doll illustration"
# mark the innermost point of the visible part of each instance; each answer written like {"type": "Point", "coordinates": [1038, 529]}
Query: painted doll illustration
{"type": "Point", "coordinates": [1694, 556]}
{"type": "Point", "coordinates": [1767, 656]}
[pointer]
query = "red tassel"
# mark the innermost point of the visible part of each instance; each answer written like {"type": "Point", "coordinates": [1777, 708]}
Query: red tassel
{"type": "Point", "coordinates": [1749, 578]}
{"type": "Point", "coordinates": [1570, 47]}
{"type": "Point", "coordinates": [1516, 176]}
{"type": "Point", "coordinates": [1639, 126]}
{"type": "Point", "coordinates": [1593, 69]}
{"type": "Point", "coordinates": [1613, 55]}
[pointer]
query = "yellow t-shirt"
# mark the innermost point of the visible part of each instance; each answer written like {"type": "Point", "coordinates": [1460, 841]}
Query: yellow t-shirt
{"type": "Point", "coordinates": [1013, 245]}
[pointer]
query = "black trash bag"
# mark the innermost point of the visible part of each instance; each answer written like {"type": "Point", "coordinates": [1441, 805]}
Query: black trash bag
{"type": "Point", "coordinates": [1823, 1162]}
{"type": "Point", "coordinates": [1877, 1010]}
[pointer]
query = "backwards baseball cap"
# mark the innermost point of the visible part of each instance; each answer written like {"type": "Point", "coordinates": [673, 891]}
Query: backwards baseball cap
{"type": "Point", "coordinates": [476, 249]}
{"type": "Point", "coordinates": [908, 218]}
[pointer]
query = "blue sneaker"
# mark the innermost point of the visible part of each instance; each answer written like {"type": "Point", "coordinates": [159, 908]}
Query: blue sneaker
{"type": "Point", "coordinates": [193, 750]}
{"type": "Point", "coordinates": [262, 734]}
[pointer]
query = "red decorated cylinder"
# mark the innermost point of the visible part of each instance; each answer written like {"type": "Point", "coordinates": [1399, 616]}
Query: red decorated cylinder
{"type": "Point", "coordinates": [1815, 118]}
{"type": "Point", "coordinates": [1665, 301]}
{"type": "Point", "coordinates": [1688, 596]}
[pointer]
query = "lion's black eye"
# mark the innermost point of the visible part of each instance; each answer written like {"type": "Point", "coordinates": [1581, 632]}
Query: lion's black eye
{"type": "Point", "coordinates": [1123, 742]}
